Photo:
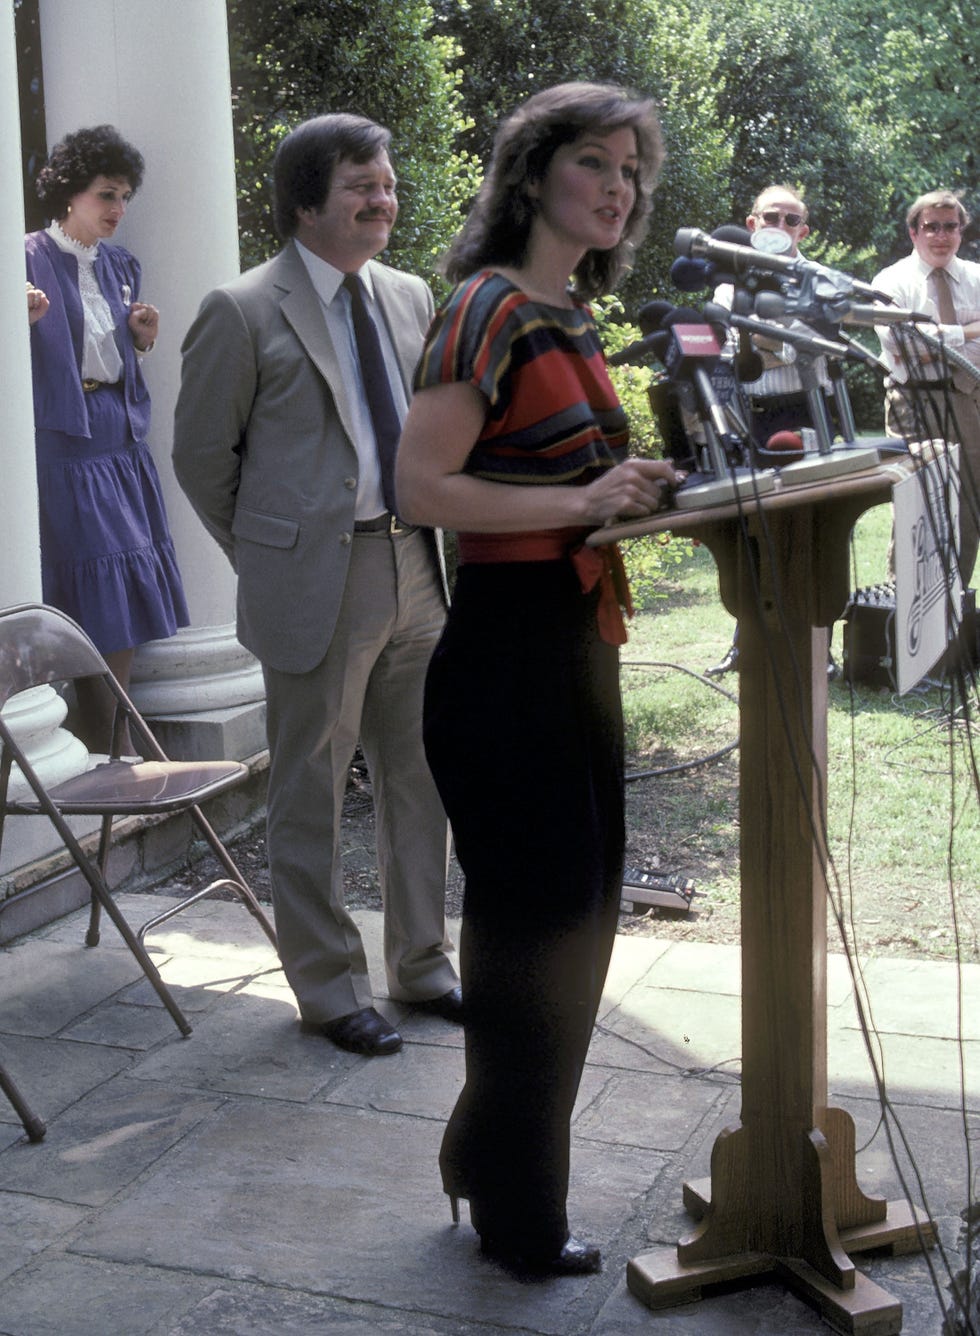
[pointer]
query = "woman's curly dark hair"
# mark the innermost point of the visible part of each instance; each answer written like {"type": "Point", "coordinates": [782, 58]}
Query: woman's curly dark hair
{"type": "Point", "coordinates": [75, 162]}
{"type": "Point", "coordinates": [498, 226]}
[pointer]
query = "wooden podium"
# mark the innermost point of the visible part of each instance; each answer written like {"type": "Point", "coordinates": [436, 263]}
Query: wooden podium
{"type": "Point", "coordinates": [783, 1199]}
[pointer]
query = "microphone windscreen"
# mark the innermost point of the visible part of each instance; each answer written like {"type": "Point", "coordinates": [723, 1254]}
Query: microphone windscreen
{"type": "Point", "coordinates": [683, 315]}
{"type": "Point", "coordinates": [718, 317]}
{"type": "Point", "coordinates": [769, 305]}
{"type": "Point", "coordinates": [658, 342]}
{"type": "Point", "coordinates": [748, 365]}
{"type": "Point", "coordinates": [691, 275]}
{"type": "Point", "coordinates": [651, 315]}
{"type": "Point", "coordinates": [732, 235]}
{"type": "Point", "coordinates": [787, 444]}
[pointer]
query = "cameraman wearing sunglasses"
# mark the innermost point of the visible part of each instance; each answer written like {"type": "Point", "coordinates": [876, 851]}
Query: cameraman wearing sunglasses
{"type": "Point", "coordinates": [777, 398]}
{"type": "Point", "coordinates": [934, 279]}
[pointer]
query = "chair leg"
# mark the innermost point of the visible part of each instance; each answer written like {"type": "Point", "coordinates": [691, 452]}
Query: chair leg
{"type": "Point", "coordinates": [139, 951]}
{"type": "Point", "coordinates": [244, 893]}
{"type": "Point", "coordinates": [236, 880]}
{"type": "Point", "coordinates": [92, 937]}
{"type": "Point", "coordinates": [32, 1124]}
{"type": "Point", "coordinates": [101, 895]}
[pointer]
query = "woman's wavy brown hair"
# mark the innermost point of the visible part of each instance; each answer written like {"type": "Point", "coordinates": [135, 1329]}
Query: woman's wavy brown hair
{"type": "Point", "coordinates": [498, 226]}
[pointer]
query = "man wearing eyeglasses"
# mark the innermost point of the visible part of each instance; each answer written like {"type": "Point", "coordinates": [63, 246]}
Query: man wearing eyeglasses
{"type": "Point", "coordinates": [934, 279]}
{"type": "Point", "coordinates": [777, 398]}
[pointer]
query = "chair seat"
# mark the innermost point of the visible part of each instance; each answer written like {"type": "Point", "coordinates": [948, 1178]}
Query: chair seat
{"type": "Point", "coordinates": [141, 787]}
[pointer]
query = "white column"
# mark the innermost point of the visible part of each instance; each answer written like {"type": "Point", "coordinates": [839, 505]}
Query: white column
{"type": "Point", "coordinates": [163, 81]}
{"type": "Point", "coordinates": [20, 569]}
{"type": "Point", "coordinates": [34, 715]}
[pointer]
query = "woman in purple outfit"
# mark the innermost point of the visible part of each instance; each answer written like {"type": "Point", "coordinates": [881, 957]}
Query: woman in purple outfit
{"type": "Point", "coordinates": [107, 557]}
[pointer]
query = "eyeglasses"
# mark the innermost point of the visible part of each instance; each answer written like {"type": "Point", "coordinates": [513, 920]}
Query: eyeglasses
{"type": "Point", "coordinates": [935, 228]}
{"type": "Point", "coordinates": [773, 216]}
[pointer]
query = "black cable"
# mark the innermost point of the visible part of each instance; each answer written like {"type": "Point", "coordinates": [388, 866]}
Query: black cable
{"type": "Point", "coordinates": [821, 841]}
{"type": "Point", "coordinates": [842, 910]}
{"type": "Point", "coordinates": [633, 775]}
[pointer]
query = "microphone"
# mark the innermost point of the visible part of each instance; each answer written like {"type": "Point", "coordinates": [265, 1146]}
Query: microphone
{"type": "Point", "coordinates": [694, 349]}
{"type": "Point", "coordinates": [885, 315]}
{"type": "Point", "coordinates": [808, 341]}
{"type": "Point", "coordinates": [714, 316]}
{"type": "Point", "coordinates": [652, 315]}
{"type": "Point", "coordinates": [740, 259]}
{"type": "Point", "coordinates": [733, 235]}
{"type": "Point", "coordinates": [692, 275]}
{"type": "Point", "coordinates": [771, 306]}
{"type": "Point", "coordinates": [693, 342]}
{"type": "Point", "coordinates": [660, 317]}
{"type": "Point", "coordinates": [640, 350]}
{"type": "Point", "coordinates": [650, 318]}
{"type": "Point", "coordinates": [748, 363]}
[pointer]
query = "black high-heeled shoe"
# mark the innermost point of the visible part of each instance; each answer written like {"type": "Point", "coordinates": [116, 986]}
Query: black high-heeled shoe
{"type": "Point", "coordinates": [576, 1258]}
{"type": "Point", "coordinates": [456, 1191]}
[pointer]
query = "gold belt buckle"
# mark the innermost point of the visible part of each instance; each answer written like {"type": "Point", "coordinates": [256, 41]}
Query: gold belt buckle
{"type": "Point", "coordinates": [89, 385]}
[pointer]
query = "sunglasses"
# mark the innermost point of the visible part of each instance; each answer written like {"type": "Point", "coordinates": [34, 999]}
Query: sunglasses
{"type": "Point", "coordinates": [935, 228]}
{"type": "Point", "coordinates": [773, 216]}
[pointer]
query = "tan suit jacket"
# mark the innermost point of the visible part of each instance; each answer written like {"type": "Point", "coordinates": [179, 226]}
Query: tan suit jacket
{"type": "Point", "coordinates": [263, 449]}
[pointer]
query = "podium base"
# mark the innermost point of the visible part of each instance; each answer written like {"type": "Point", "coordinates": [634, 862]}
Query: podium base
{"type": "Point", "coordinates": [659, 1280]}
{"type": "Point", "coordinates": [815, 467]}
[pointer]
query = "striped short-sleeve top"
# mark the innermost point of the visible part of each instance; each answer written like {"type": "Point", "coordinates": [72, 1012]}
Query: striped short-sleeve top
{"type": "Point", "coordinates": [552, 413]}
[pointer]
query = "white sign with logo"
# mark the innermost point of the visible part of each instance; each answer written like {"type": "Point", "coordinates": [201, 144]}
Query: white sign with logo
{"type": "Point", "coordinates": [927, 578]}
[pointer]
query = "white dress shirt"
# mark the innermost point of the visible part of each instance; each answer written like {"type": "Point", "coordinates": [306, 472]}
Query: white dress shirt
{"type": "Point", "coordinates": [907, 282]}
{"type": "Point", "coordinates": [335, 302]}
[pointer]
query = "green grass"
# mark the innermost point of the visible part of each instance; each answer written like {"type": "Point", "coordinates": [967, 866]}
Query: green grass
{"type": "Point", "coordinates": [900, 776]}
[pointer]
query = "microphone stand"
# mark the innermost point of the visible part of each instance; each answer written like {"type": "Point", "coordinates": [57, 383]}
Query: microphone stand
{"type": "Point", "coordinates": [728, 481]}
{"type": "Point", "coordinates": [842, 401]}
{"type": "Point", "coordinates": [846, 456]}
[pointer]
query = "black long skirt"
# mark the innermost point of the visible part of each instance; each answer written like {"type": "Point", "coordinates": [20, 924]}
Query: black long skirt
{"type": "Point", "coordinates": [523, 732]}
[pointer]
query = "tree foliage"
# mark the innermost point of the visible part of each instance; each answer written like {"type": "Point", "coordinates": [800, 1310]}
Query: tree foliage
{"type": "Point", "coordinates": [862, 104]}
{"type": "Point", "coordinates": [781, 92]}
{"type": "Point", "coordinates": [292, 59]}
{"type": "Point", "coordinates": [911, 75]}
{"type": "Point", "coordinates": [509, 50]}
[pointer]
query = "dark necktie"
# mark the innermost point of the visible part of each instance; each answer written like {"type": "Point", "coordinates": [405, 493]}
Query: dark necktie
{"type": "Point", "coordinates": [944, 298]}
{"type": "Point", "coordinates": [374, 374]}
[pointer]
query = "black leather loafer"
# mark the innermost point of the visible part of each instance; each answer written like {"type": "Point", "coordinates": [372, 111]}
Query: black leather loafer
{"type": "Point", "coordinates": [449, 1006]}
{"type": "Point", "coordinates": [365, 1032]}
{"type": "Point", "coordinates": [728, 664]}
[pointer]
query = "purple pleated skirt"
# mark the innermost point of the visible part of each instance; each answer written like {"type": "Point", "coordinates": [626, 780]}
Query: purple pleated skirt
{"type": "Point", "coordinates": [107, 557]}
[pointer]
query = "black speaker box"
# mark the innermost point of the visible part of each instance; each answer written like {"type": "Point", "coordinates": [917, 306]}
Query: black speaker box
{"type": "Point", "coordinates": [869, 637]}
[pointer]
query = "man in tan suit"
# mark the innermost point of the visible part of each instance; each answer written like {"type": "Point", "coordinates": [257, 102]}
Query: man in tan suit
{"type": "Point", "coordinates": [280, 449]}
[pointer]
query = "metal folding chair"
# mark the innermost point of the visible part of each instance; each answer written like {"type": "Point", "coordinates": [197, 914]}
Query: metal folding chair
{"type": "Point", "coordinates": [40, 645]}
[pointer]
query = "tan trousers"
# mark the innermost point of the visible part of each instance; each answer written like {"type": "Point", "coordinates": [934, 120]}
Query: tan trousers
{"type": "Point", "coordinates": [368, 687]}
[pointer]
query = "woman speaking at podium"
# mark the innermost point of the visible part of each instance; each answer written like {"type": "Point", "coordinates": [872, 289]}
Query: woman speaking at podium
{"type": "Point", "coordinates": [515, 438]}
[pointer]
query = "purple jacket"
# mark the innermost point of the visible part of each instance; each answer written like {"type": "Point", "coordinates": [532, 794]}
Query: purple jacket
{"type": "Point", "coordinates": [56, 339]}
